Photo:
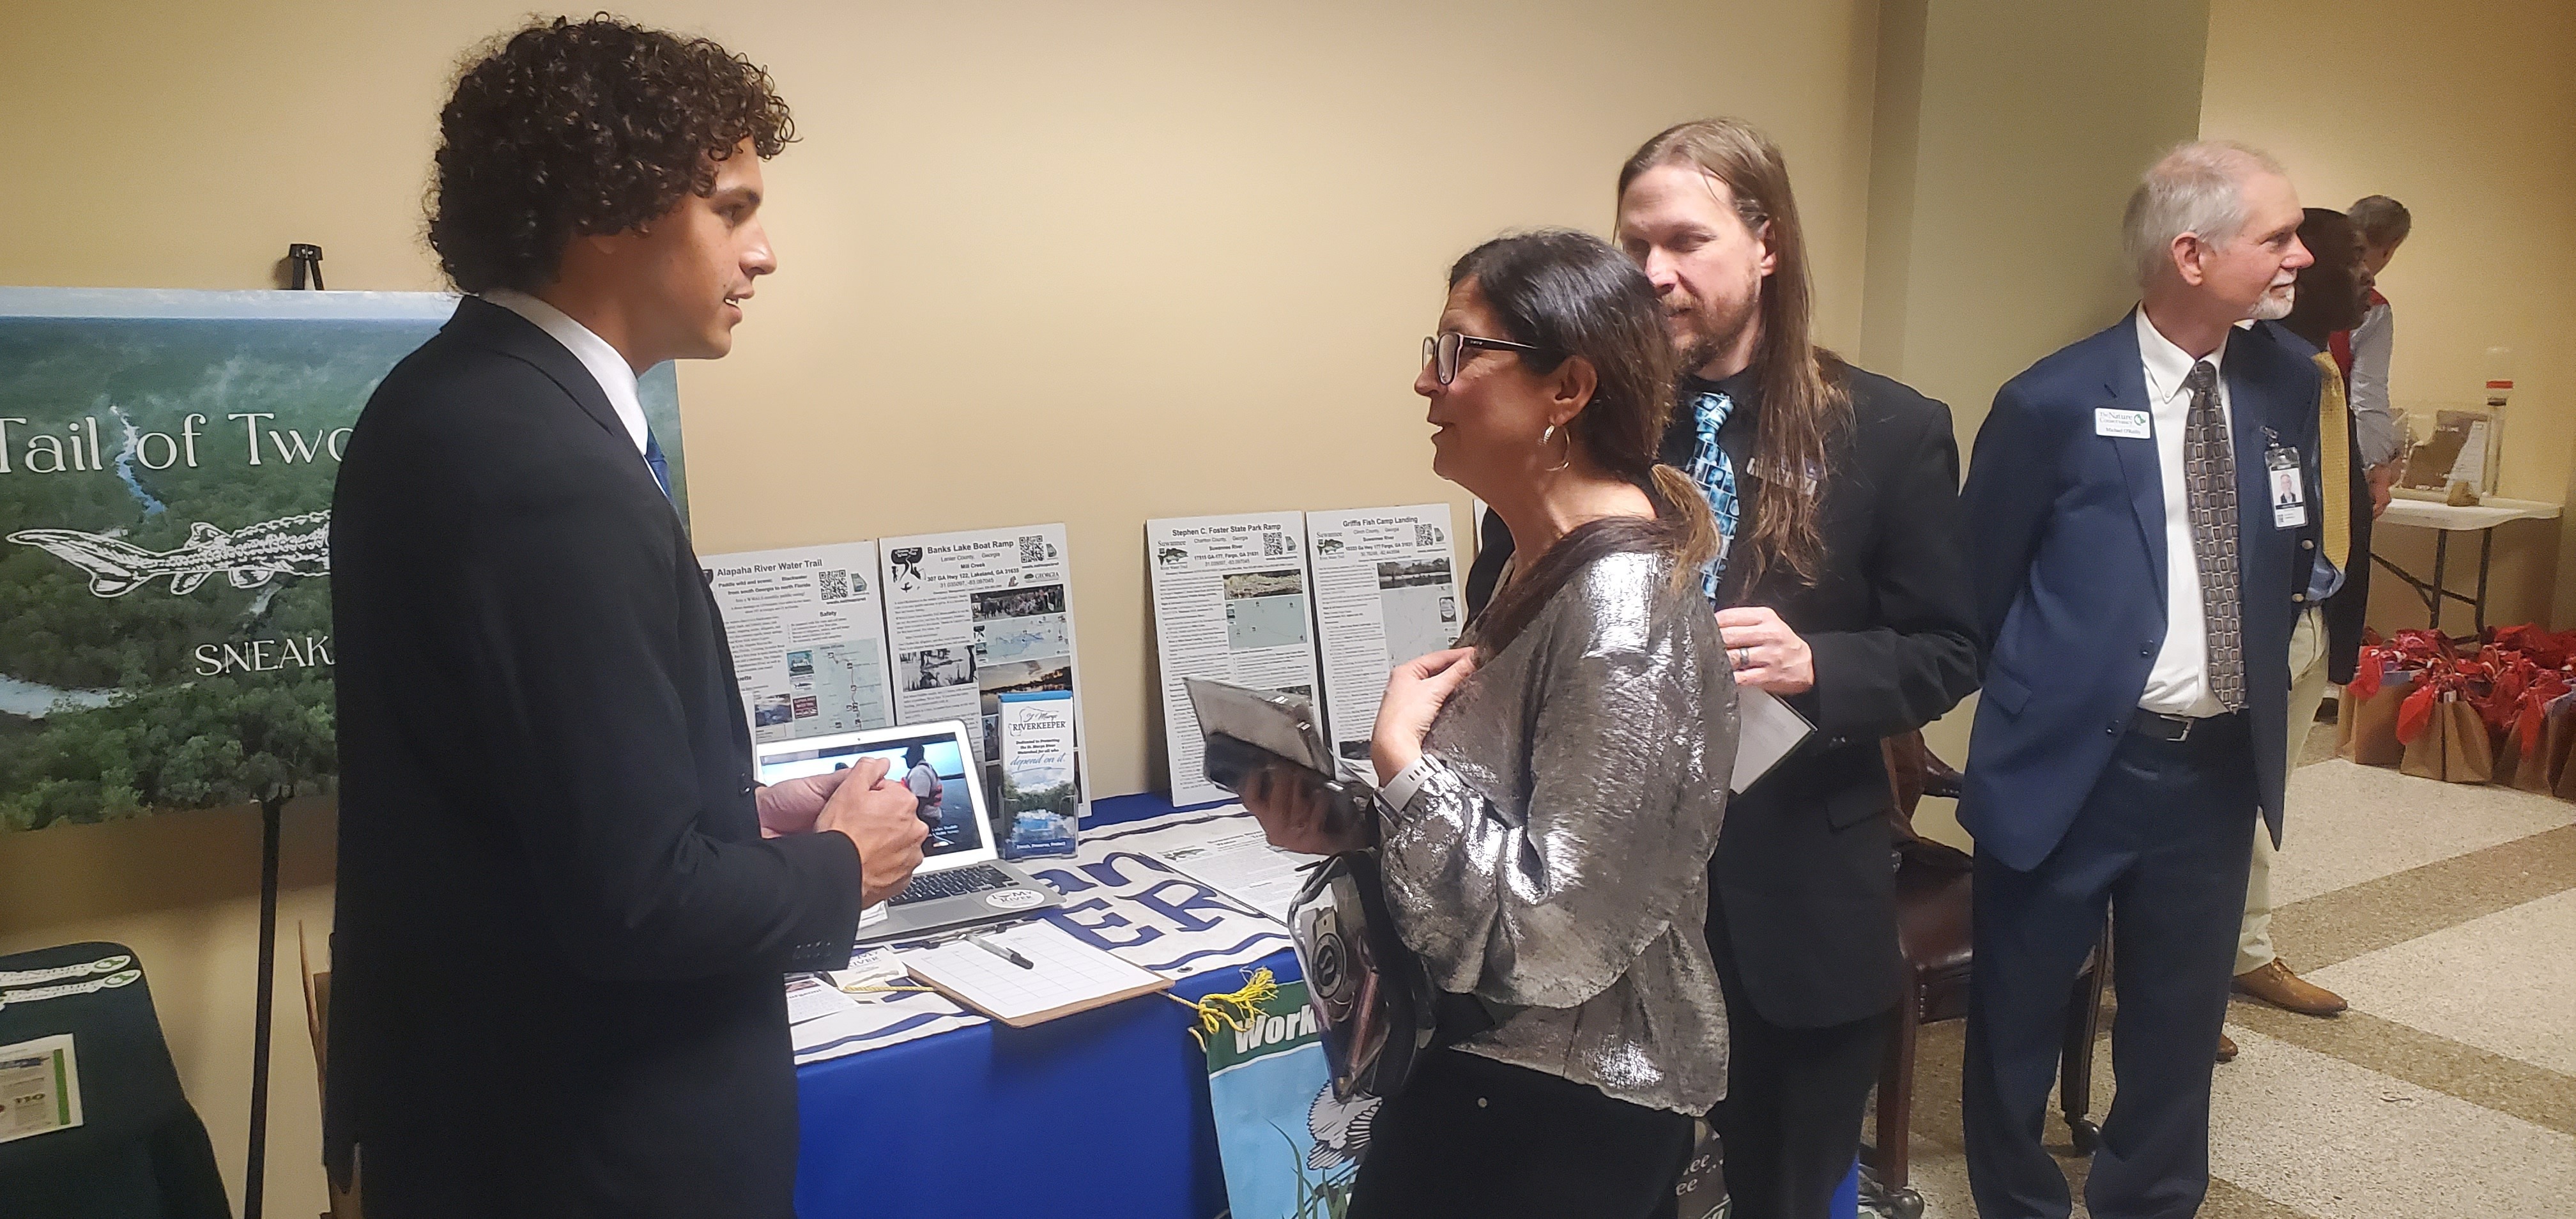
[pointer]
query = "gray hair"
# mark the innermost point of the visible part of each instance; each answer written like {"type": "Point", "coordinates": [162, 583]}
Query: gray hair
{"type": "Point", "coordinates": [2198, 188]}
{"type": "Point", "coordinates": [2383, 221]}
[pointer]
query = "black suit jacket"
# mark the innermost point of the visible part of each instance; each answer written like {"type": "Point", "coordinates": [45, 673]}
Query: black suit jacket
{"type": "Point", "coordinates": [1805, 891]}
{"type": "Point", "coordinates": [2347, 610]}
{"type": "Point", "coordinates": [559, 937]}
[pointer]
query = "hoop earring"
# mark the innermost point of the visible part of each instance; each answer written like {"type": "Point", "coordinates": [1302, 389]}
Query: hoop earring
{"type": "Point", "coordinates": [1550, 430]}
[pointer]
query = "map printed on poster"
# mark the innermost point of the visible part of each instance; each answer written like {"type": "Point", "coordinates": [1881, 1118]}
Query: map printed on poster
{"type": "Point", "coordinates": [1230, 603]}
{"type": "Point", "coordinates": [1117, 898]}
{"type": "Point", "coordinates": [1386, 591]}
{"type": "Point", "coordinates": [973, 616]}
{"type": "Point", "coordinates": [808, 638]}
{"type": "Point", "coordinates": [167, 460]}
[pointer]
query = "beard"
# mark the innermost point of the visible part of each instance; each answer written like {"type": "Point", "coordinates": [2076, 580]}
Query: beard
{"type": "Point", "coordinates": [2276, 304]}
{"type": "Point", "coordinates": [1713, 334]}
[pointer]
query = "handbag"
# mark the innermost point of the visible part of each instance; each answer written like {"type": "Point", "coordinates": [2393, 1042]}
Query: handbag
{"type": "Point", "coordinates": [1375, 1008]}
{"type": "Point", "coordinates": [1373, 999]}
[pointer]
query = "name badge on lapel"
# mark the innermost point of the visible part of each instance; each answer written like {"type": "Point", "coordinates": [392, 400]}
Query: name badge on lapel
{"type": "Point", "coordinates": [2125, 425]}
{"type": "Point", "coordinates": [2289, 491]}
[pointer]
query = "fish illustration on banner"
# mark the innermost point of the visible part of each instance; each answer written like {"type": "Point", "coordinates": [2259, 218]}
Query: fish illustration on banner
{"type": "Point", "coordinates": [289, 546]}
{"type": "Point", "coordinates": [167, 460]}
{"type": "Point", "coordinates": [1291, 1149]}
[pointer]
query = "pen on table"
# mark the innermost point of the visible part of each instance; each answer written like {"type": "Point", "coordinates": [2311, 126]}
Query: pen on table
{"type": "Point", "coordinates": [999, 951]}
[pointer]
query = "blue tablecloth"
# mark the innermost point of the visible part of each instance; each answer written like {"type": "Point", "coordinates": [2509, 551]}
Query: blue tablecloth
{"type": "Point", "coordinates": [1100, 1113]}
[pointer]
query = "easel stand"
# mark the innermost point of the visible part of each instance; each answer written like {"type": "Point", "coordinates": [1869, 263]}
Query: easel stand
{"type": "Point", "coordinates": [307, 262]}
{"type": "Point", "coordinates": [255, 1178]}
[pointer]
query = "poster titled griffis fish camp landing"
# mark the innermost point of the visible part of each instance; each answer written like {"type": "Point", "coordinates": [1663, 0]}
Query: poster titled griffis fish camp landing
{"type": "Point", "coordinates": [166, 467]}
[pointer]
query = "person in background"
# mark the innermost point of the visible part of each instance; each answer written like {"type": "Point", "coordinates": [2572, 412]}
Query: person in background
{"type": "Point", "coordinates": [561, 927]}
{"type": "Point", "coordinates": [923, 782]}
{"type": "Point", "coordinates": [1549, 792]}
{"type": "Point", "coordinates": [2364, 349]}
{"type": "Point", "coordinates": [2137, 590]}
{"type": "Point", "coordinates": [2333, 291]}
{"type": "Point", "coordinates": [1843, 592]}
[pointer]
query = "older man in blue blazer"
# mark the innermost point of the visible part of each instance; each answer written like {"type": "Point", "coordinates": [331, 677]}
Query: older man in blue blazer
{"type": "Point", "coordinates": [2143, 533]}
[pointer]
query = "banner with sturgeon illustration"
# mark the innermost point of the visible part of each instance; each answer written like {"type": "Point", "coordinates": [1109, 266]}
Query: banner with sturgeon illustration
{"type": "Point", "coordinates": [166, 466]}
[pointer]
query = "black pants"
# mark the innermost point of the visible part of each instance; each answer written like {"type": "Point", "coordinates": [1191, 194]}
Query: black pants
{"type": "Point", "coordinates": [2160, 845]}
{"type": "Point", "coordinates": [1789, 1127]}
{"type": "Point", "coordinates": [1479, 1139]}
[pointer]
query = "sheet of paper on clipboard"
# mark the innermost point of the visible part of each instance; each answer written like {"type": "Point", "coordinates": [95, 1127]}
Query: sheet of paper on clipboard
{"type": "Point", "coordinates": [1766, 730]}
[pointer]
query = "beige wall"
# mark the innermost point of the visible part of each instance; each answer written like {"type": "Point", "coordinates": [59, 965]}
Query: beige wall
{"type": "Point", "coordinates": [2008, 135]}
{"type": "Point", "coordinates": [2467, 114]}
{"type": "Point", "coordinates": [1099, 262]}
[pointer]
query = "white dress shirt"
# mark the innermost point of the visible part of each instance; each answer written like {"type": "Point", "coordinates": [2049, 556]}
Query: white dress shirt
{"type": "Point", "coordinates": [2179, 682]}
{"type": "Point", "coordinates": [2374, 424]}
{"type": "Point", "coordinates": [615, 378]}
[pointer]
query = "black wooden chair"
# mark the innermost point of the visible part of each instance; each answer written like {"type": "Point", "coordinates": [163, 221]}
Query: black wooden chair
{"type": "Point", "coordinates": [1933, 910]}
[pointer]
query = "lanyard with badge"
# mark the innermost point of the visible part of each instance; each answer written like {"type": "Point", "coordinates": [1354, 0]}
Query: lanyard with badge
{"type": "Point", "coordinates": [2283, 484]}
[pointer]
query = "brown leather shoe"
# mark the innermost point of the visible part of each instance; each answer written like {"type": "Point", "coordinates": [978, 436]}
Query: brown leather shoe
{"type": "Point", "coordinates": [2226, 1048]}
{"type": "Point", "coordinates": [2276, 985]}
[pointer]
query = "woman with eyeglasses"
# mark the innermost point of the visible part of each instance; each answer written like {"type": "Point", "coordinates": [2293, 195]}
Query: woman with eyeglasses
{"type": "Point", "coordinates": [1549, 793]}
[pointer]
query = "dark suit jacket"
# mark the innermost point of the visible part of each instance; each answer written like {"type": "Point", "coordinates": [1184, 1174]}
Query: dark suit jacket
{"type": "Point", "coordinates": [2348, 609]}
{"type": "Point", "coordinates": [1805, 896]}
{"type": "Point", "coordinates": [2066, 533]}
{"type": "Point", "coordinates": [560, 935]}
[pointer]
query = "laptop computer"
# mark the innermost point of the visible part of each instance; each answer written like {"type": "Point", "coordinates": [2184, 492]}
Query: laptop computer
{"type": "Point", "coordinates": [962, 880]}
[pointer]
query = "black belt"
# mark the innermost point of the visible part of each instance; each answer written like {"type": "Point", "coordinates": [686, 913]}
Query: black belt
{"type": "Point", "coordinates": [2156, 725]}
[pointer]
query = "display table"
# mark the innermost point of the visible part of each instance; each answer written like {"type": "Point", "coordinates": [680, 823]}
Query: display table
{"type": "Point", "coordinates": [2445, 520]}
{"type": "Point", "coordinates": [1099, 1113]}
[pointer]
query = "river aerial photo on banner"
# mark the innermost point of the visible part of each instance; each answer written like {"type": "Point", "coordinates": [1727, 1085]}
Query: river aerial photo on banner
{"type": "Point", "coordinates": [166, 467]}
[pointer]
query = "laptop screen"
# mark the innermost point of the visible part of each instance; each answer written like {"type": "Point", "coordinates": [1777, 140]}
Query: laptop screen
{"type": "Point", "coordinates": [928, 759]}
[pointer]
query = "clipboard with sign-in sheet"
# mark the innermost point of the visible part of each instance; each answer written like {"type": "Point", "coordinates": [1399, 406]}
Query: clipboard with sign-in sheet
{"type": "Point", "coordinates": [1063, 974]}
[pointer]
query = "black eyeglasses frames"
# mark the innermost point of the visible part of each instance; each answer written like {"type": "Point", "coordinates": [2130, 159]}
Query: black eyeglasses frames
{"type": "Point", "coordinates": [1444, 350]}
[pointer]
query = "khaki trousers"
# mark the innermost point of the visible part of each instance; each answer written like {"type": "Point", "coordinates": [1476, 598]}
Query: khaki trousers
{"type": "Point", "coordinates": [2307, 692]}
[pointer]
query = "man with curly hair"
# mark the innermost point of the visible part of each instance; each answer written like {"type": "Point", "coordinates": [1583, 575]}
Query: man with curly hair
{"type": "Point", "coordinates": [564, 906]}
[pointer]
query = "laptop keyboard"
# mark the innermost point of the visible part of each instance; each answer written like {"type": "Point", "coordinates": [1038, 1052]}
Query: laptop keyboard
{"type": "Point", "coordinates": [956, 882]}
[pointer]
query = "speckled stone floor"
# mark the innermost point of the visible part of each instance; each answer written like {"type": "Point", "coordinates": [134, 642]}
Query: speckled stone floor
{"type": "Point", "coordinates": [2447, 916]}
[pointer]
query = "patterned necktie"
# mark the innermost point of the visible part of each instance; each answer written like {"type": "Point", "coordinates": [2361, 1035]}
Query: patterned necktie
{"type": "Point", "coordinates": [653, 457]}
{"type": "Point", "coordinates": [2209, 487]}
{"type": "Point", "coordinates": [2334, 463]}
{"type": "Point", "coordinates": [1714, 471]}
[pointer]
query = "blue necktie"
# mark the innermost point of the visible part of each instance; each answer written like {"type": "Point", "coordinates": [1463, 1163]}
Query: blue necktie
{"type": "Point", "coordinates": [653, 458]}
{"type": "Point", "coordinates": [1714, 471]}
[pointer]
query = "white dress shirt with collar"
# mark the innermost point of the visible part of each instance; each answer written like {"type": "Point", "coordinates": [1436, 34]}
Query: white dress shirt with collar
{"type": "Point", "coordinates": [615, 378]}
{"type": "Point", "coordinates": [2179, 682]}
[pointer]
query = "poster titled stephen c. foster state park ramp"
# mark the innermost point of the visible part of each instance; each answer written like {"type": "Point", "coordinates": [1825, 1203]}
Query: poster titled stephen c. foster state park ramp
{"type": "Point", "coordinates": [166, 465]}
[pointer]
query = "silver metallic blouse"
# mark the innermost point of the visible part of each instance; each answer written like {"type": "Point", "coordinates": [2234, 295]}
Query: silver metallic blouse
{"type": "Point", "coordinates": [1554, 859]}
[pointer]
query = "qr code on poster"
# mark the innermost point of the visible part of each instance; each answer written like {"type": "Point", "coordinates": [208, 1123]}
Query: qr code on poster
{"type": "Point", "coordinates": [1274, 544]}
{"type": "Point", "coordinates": [1425, 535]}
{"type": "Point", "coordinates": [1033, 548]}
{"type": "Point", "coordinates": [834, 584]}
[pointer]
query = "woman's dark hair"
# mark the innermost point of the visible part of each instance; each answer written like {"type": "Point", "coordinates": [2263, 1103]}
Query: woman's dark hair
{"type": "Point", "coordinates": [577, 128]}
{"type": "Point", "coordinates": [1573, 297]}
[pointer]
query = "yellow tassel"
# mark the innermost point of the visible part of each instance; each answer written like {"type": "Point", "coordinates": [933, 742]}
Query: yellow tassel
{"type": "Point", "coordinates": [1237, 1010]}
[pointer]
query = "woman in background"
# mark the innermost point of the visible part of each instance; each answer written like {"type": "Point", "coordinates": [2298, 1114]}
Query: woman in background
{"type": "Point", "coordinates": [1549, 794]}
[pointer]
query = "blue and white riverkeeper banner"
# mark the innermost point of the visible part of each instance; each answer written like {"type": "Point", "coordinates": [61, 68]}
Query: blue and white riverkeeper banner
{"type": "Point", "coordinates": [1118, 898]}
{"type": "Point", "coordinates": [1291, 1148]}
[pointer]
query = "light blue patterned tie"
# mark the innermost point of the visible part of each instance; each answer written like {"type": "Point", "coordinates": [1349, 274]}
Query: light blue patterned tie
{"type": "Point", "coordinates": [1715, 473]}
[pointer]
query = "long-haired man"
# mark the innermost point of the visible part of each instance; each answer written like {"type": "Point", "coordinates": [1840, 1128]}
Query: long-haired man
{"type": "Point", "coordinates": [1842, 590]}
